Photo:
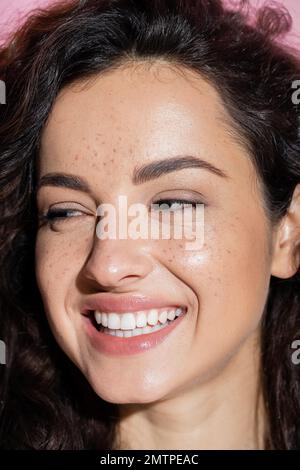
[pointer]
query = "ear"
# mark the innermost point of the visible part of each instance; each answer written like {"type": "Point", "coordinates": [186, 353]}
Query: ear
{"type": "Point", "coordinates": [286, 247]}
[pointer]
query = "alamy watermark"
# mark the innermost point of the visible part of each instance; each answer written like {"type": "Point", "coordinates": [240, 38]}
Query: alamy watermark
{"type": "Point", "coordinates": [296, 354]}
{"type": "Point", "coordinates": [2, 352]}
{"type": "Point", "coordinates": [2, 92]}
{"type": "Point", "coordinates": [184, 221]}
{"type": "Point", "coordinates": [296, 98]}
{"type": "Point", "coordinates": [296, 93]}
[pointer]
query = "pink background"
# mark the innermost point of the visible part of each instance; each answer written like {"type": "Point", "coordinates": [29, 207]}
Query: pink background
{"type": "Point", "coordinates": [13, 11]}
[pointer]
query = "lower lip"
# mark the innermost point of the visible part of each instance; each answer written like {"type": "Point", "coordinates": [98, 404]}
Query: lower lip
{"type": "Point", "coordinates": [116, 346]}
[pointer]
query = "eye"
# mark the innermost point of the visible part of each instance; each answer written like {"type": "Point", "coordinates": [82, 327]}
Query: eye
{"type": "Point", "coordinates": [174, 204]}
{"type": "Point", "coordinates": [55, 216]}
{"type": "Point", "coordinates": [62, 214]}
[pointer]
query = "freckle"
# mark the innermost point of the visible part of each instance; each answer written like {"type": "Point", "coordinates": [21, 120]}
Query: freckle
{"type": "Point", "coordinates": [112, 160]}
{"type": "Point", "coordinates": [114, 150]}
{"type": "Point", "coordinates": [95, 153]}
{"type": "Point", "coordinates": [103, 142]}
{"type": "Point", "coordinates": [181, 245]}
{"type": "Point", "coordinates": [229, 251]}
{"type": "Point", "coordinates": [88, 147]}
{"type": "Point", "coordinates": [76, 157]}
{"type": "Point", "coordinates": [104, 163]}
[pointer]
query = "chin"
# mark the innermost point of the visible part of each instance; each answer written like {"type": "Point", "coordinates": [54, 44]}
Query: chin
{"type": "Point", "coordinates": [126, 394]}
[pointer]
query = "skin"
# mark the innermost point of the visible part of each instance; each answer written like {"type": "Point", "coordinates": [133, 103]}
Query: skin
{"type": "Point", "coordinates": [204, 378]}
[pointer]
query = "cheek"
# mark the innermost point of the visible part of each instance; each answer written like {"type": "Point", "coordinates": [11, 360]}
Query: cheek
{"type": "Point", "coordinates": [228, 279]}
{"type": "Point", "coordinates": [59, 258]}
{"type": "Point", "coordinates": [60, 255]}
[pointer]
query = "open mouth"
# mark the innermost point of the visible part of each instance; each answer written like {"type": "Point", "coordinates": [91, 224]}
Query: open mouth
{"type": "Point", "coordinates": [126, 325]}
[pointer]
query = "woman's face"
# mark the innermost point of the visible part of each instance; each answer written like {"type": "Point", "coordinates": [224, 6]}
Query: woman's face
{"type": "Point", "coordinates": [102, 134]}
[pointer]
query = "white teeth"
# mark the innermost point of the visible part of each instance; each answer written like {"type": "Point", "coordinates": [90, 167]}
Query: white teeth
{"type": "Point", "coordinates": [137, 331]}
{"type": "Point", "coordinates": [127, 334]}
{"type": "Point", "coordinates": [136, 321]}
{"type": "Point", "coordinates": [128, 321]}
{"type": "Point", "coordinates": [153, 317]}
{"type": "Point", "coordinates": [98, 317]}
{"type": "Point", "coordinates": [104, 319]}
{"type": "Point", "coordinates": [147, 329]}
{"type": "Point", "coordinates": [114, 321]}
{"type": "Point", "coordinates": [178, 311]}
{"type": "Point", "coordinates": [156, 328]}
{"type": "Point", "coordinates": [141, 319]}
{"type": "Point", "coordinates": [171, 315]}
{"type": "Point", "coordinates": [163, 316]}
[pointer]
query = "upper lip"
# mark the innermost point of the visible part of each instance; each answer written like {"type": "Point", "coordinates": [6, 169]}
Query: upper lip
{"type": "Point", "coordinates": [123, 303]}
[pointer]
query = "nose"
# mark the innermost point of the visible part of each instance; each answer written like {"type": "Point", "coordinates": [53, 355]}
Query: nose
{"type": "Point", "coordinates": [117, 263]}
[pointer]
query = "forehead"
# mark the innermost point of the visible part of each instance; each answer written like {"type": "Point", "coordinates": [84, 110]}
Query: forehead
{"type": "Point", "coordinates": [135, 114]}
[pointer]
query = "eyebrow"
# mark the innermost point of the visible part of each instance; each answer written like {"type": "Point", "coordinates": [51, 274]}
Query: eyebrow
{"type": "Point", "coordinates": [141, 174]}
{"type": "Point", "coordinates": [158, 168]}
{"type": "Point", "coordinates": [63, 180]}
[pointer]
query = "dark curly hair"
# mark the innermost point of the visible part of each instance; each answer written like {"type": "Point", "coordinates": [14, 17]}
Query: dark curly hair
{"type": "Point", "coordinates": [45, 401]}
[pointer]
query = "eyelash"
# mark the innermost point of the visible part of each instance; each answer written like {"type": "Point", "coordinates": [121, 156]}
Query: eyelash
{"type": "Point", "coordinates": [53, 215]}
{"type": "Point", "coordinates": [192, 203]}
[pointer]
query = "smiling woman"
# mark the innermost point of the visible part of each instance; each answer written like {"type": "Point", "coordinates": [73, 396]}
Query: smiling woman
{"type": "Point", "coordinates": [139, 343]}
